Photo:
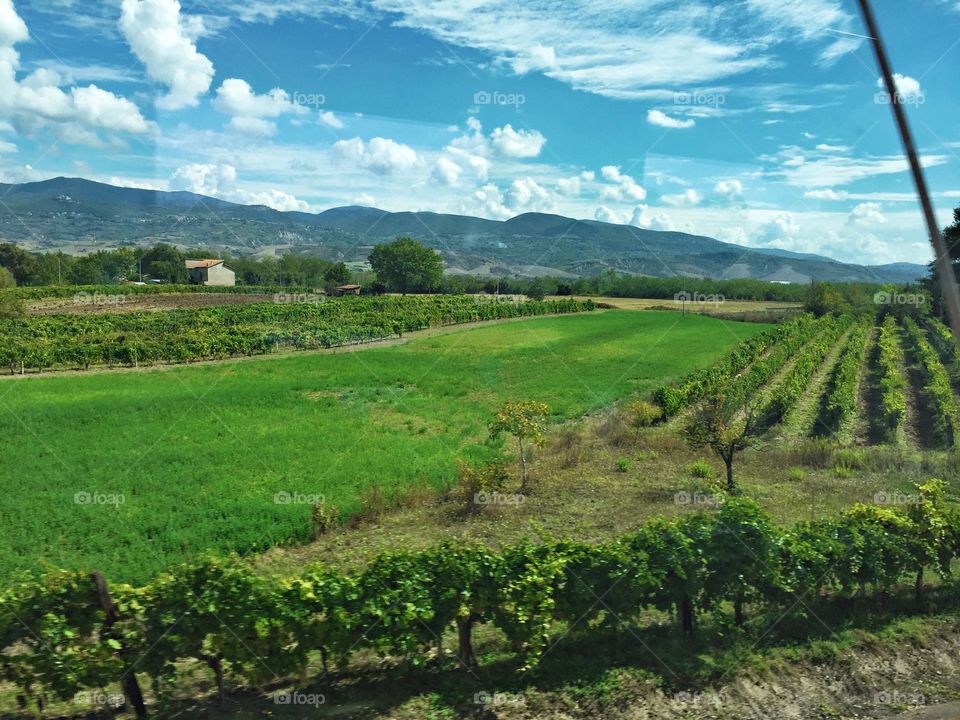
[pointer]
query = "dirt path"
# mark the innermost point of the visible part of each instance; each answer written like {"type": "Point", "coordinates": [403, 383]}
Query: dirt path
{"type": "Point", "coordinates": [285, 353]}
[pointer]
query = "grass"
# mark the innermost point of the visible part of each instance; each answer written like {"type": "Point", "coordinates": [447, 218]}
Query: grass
{"type": "Point", "coordinates": [203, 457]}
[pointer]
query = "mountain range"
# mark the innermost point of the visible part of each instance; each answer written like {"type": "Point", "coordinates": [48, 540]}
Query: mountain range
{"type": "Point", "coordinates": [78, 216]}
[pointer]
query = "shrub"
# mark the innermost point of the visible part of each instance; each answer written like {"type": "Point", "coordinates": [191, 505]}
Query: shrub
{"type": "Point", "coordinates": [796, 474]}
{"type": "Point", "coordinates": [488, 478]}
{"type": "Point", "coordinates": [623, 465]}
{"type": "Point", "coordinates": [643, 414]}
{"type": "Point", "coordinates": [701, 469]}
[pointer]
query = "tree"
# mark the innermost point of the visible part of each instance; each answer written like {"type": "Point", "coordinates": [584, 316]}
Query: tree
{"type": "Point", "coordinates": [337, 274]}
{"type": "Point", "coordinates": [724, 426]}
{"type": "Point", "coordinates": [6, 279]}
{"type": "Point", "coordinates": [525, 420]}
{"type": "Point", "coordinates": [406, 265]}
{"type": "Point", "coordinates": [536, 290]}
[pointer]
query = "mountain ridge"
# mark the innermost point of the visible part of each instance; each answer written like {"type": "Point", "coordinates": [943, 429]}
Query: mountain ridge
{"type": "Point", "coordinates": [79, 215]}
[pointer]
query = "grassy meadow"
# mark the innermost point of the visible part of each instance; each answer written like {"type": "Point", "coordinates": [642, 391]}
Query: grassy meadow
{"type": "Point", "coordinates": [129, 472]}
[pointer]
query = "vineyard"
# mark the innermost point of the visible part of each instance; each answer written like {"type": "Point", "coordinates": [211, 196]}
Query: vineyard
{"type": "Point", "coordinates": [70, 632]}
{"type": "Point", "coordinates": [306, 322]}
{"type": "Point", "coordinates": [899, 376]}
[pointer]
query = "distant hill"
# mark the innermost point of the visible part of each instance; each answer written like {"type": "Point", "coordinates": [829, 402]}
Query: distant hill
{"type": "Point", "coordinates": [79, 216]}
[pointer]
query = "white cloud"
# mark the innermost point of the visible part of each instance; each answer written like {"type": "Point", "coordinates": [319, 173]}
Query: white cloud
{"type": "Point", "coordinates": [380, 156]}
{"type": "Point", "coordinates": [824, 147]}
{"type": "Point", "coordinates": [517, 143]}
{"type": "Point", "coordinates": [252, 126]}
{"type": "Point", "coordinates": [624, 189]}
{"type": "Point", "coordinates": [867, 214]}
{"type": "Point", "coordinates": [538, 57]}
{"type": "Point", "coordinates": [826, 194]}
{"type": "Point", "coordinates": [839, 170]}
{"type": "Point", "coordinates": [688, 197]}
{"type": "Point", "coordinates": [572, 186]}
{"type": "Point", "coordinates": [164, 41]}
{"type": "Point", "coordinates": [661, 119]}
{"type": "Point", "coordinates": [780, 232]}
{"type": "Point", "coordinates": [236, 97]}
{"type": "Point", "coordinates": [639, 217]}
{"type": "Point", "coordinates": [811, 21]}
{"type": "Point", "coordinates": [522, 195]}
{"type": "Point", "coordinates": [220, 181]}
{"type": "Point", "coordinates": [328, 118]}
{"type": "Point", "coordinates": [38, 102]}
{"type": "Point", "coordinates": [728, 189]}
{"type": "Point", "coordinates": [446, 172]}
{"type": "Point", "coordinates": [908, 89]}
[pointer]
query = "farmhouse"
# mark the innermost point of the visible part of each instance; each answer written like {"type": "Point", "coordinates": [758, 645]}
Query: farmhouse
{"type": "Point", "coordinates": [348, 290]}
{"type": "Point", "coordinates": [210, 272]}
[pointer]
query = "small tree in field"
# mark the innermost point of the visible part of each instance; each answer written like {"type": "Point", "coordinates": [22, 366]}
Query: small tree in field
{"type": "Point", "coordinates": [526, 421]}
{"type": "Point", "coordinates": [724, 426]}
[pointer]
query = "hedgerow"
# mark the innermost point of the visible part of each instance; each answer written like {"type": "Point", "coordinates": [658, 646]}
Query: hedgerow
{"type": "Point", "coordinates": [140, 338]}
{"type": "Point", "coordinates": [936, 384]}
{"type": "Point", "coordinates": [57, 638]}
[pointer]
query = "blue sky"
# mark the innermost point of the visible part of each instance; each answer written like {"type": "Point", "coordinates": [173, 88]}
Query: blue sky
{"type": "Point", "coordinates": [754, 121]}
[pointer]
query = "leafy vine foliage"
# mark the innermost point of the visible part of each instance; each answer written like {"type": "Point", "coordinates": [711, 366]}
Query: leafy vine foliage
{"type": "Point", "coordinates": [246, 628]}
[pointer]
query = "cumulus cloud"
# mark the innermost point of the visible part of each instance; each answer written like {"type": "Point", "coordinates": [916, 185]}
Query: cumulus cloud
{"type": "Point", "coordinates": [661, 119]}
{"type": "Point", "coordinates": [780, 231]}
{"type": "Point", "coordinates": [522, 195]}
{"type": "Point", "coordinates": [640, 217]}
{"type": "Point", "coordinates": [908, 89]}
{"type": "Point", "coordinates": [728, 189]}
{"type": "Point", "coordinates": [688, 197]}
{"type": "Point", "coordinates": [624, 187]}
{"type": "Point", "coordinates": [867, 214]}
{"type": "Point", "coordinates": [250, 111]}
{"type": "Point", "coordinates": [517, 143]}
{"type": "Point", "coordinates": [38, 102]}
{"type": "Point", "coordinates": [380, 156]}
{"type": "Point", "coordinates": [164, 41]}
{"type": "Point", "coordinates": [446, 172]}
{"type": "Point", "coordinates": [572, 186]}
{"type": "Point", "coordinates": [220, 181]}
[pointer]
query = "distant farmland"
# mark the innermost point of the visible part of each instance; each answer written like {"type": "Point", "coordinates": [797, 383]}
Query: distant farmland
{"type": "Point", "coordinates": [198, 455]}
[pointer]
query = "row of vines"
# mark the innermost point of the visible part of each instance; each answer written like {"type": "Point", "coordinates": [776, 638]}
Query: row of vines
{"type": "Point", "coordinates": [64, 633]}
{"type": "Point", "coordinates": [52, 292]}
{"type": "Point", "coordinates": [79, 341]}
{"type": "Point", "coordinates": [942, 403]}
{"type": "Point", "coordinates": [844, 386]}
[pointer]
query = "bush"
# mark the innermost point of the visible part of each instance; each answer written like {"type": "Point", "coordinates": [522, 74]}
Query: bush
{"type": "Point", "coordinates": [473, 482]}
{"type": "Point", "coordinates": [796, 474]}
{"type": "Point", "coordinates": [644, 414]}
{"type": "Point", "coordinates": [701, 469]}
{"type": "Point", "coordinates": [623, 465]}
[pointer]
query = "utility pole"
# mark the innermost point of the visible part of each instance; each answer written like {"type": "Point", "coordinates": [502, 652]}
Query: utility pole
{"type": "Point", "coordinates": [942, 260]}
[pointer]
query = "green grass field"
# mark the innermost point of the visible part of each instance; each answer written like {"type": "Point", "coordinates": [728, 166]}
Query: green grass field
{"type": "Point", "coordinates": [198, 454]}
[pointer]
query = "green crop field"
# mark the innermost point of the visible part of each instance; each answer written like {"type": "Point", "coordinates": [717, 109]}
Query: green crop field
{"type": "Point", "coordinates": [130, 472]}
